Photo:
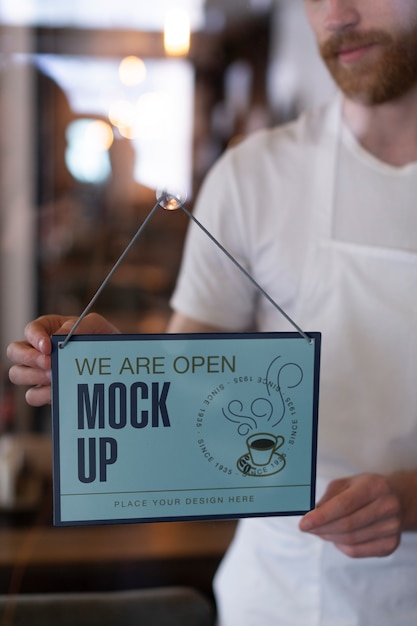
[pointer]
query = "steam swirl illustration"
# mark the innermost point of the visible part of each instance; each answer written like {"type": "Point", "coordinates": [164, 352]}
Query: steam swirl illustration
{"type": "Point", "coordinates": [262, 412]}
{"type": "Point", "coordinates": [247, 423]}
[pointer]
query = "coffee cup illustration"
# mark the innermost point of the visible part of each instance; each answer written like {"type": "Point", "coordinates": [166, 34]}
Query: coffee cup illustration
{"type": "Point", "coordinates": [262, 446]}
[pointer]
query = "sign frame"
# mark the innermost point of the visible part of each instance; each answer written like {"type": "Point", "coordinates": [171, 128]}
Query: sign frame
{"type": "Point", "coordinates": [245, 394]}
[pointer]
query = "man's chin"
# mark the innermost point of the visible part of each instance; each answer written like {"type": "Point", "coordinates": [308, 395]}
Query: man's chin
{"type": "Point", "coordinates": [373, 97]}
{"type": "Point", "coordinates": [363, 98]}
{"type": "Point", "coordinates": [353, 90]}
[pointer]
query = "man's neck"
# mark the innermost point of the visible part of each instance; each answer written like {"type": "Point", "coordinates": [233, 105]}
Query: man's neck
{"type": "Point", "coordinates": [387, 131]}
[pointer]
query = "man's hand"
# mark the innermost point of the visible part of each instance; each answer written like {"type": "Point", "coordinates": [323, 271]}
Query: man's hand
{"type": "Point", "coordinates": [362, 516]}
{"type": "Point", "coordinates": [32, 357]}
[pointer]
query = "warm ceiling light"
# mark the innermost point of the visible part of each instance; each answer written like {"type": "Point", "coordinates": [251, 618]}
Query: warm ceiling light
{"type": "Point", "coordinates": [177, 32]}
{"type": "Point", "coordinates": [132, 71]}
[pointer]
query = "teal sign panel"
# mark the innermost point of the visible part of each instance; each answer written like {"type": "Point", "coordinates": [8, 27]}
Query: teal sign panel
{"type": "Point", "coordinates": [182, 427]}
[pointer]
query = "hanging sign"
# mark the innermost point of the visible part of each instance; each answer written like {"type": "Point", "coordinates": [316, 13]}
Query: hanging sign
{"type": "Point", "coordinates": [183, 427]}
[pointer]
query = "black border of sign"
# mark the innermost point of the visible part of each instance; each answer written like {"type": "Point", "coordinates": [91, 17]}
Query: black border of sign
{"type": "Point", "coordinates": [58, 339]}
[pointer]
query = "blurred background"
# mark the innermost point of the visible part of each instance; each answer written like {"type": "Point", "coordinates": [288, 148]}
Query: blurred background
{"type": "Point", "coordinates": [101, 104]}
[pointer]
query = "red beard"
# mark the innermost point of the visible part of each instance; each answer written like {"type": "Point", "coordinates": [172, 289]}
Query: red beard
{"type": "Point", "coordinates": [369, 80]}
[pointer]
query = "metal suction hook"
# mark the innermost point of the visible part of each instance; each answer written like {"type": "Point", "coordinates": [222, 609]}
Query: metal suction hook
{"type": "Point", "coordinates": [170, 201]}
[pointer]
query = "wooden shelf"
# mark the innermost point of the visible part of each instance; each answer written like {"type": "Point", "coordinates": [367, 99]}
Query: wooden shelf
{"type": "Point", "coordinates": [172, 540]}
{"type": "Point", "coordinates": [97, 558]}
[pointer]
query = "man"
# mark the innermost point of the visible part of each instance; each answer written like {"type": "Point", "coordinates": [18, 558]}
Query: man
{"type": "Point", "coordinates": [322, 213]}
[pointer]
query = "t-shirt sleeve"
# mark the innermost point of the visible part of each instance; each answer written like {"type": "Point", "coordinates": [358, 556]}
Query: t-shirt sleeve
{"type": "Point", "coordinates": [210, 288]}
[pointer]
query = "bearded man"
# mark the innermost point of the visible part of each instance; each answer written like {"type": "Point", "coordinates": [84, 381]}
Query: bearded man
{"type": "Point", "coordinates": [323, 214]}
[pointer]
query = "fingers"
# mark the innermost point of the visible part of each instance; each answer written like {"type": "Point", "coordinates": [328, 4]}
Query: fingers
{"type": "Point", "coordinates": [362, 520]}
{"type": "Point", "coordinates": [376, 548]}
{"type": "Point", "coordinates": [91, 324]}
{"type": "Point", "coordinates": [32, 358]}
{"type": "Point", "coordinates": [96, 325]}
{"type": "Point", "coordinates": [22, 353]}
{"type": "Point", "coordinates": [33, 370]}
{"type": "Point", "coordinates": [38, 332]}
{"type": "Point", "coordinates": [39, 395]}
{"type": "Point", "coordinates": [360, 515]}
{"type": "Point", "coordinates": [28, 375]}
{"type": "Point", "coordinates": [35, 351]}
{"type": "Point", "coordinates": [378, 538]}
{"type": "Point", "coordinates": [352, 496]}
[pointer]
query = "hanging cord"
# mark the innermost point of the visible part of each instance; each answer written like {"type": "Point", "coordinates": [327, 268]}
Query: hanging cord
{"type": "Point", "coordinates": [109, 276]}
{"type": "Point", "coordinates": [171, 202]}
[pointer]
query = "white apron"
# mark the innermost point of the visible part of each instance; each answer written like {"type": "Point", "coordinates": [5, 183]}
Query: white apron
{"type": "Point", "coordinates": [364, 301]}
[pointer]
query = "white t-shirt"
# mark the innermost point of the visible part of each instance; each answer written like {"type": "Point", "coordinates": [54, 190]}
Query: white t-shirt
{"type": "Point", "coordinates": [242, 206]}
{"type": "Point", "coordinates": [241, 203]}
{"type": "Point", "coordinates": [362, 180]}
{"type": "Point", "coordinates": [263, 201]}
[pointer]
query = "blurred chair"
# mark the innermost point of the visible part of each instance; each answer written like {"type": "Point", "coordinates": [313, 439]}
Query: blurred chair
{"type": "Point", "coordinates": [169, 606]}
